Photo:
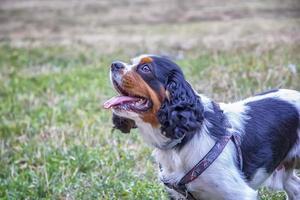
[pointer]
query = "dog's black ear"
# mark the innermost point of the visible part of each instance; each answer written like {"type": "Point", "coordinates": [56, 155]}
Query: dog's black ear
{"type": "Point", "coordinates": [181, 112]}
{"type": "Point", "coordinates": [123, 124]}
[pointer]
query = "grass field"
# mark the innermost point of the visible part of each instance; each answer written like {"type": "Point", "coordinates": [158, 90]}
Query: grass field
{"type": "Point", "coordinates": [55, 138]}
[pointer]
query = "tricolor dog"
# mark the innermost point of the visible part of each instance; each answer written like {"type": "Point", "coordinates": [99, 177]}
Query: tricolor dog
{"type": "Point", "coordinates": [208, 150]}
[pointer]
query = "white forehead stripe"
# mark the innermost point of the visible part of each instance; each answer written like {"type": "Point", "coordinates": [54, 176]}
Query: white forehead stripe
{"type": "Point", "coordinates": [138, 59]}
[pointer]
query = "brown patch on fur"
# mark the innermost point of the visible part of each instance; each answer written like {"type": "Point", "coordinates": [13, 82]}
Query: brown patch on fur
{"type": "Point", "coordinates": [146, 60]}
{"type": "Point", "coordinates": [134, 84]}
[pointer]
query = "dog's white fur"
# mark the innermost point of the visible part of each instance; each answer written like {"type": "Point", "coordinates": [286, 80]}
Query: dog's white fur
{"type": "Point", "coordinates": [222, 180]}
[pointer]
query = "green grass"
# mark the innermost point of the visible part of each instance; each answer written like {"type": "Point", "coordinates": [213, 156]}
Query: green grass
{"type": "Point", "coordinates": [56, 140]}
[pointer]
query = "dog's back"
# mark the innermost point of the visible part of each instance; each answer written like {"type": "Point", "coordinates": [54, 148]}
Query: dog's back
{"type": "Point", "coordinates": [269, 127]}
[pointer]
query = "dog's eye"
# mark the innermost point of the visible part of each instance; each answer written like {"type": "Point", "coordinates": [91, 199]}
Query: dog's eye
{"type": "Point", "coordinates": [145, 68]}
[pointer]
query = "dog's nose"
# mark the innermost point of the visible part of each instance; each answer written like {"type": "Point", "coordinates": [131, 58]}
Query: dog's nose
{"type": "Point", "coordinates": [116, 66]}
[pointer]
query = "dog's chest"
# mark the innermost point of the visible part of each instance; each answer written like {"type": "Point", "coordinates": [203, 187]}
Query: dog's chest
{"type": "Point", "coordinates": [204, 187]}
{"type": "Point", "coordinates": [173, 168]}
{"type": "Point", "coordinates": [216, 182]}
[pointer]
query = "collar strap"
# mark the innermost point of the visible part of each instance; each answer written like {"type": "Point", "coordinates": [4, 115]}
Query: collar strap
{"type": "Point", "coordinates": [206, 161]}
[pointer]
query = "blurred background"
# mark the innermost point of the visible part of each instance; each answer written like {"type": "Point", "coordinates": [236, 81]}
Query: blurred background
{"type": "Point", "coordinates": [55, 138]}
{"type": "Point", "coordinates": [135, 26]}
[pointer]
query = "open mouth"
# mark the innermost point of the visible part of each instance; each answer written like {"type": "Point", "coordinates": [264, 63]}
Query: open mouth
{"type": "Point", "coordinates": [128, 102]}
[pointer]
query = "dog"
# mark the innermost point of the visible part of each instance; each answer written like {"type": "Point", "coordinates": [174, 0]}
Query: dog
{"type": "Point", "coordinates": [185, 127]}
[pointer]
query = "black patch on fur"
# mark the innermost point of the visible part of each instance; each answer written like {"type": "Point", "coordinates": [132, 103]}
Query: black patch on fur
{"type": "Point", "coordinates": [182, 114]}
{"type": "Point", "coordinates": [218, 122]}
{"type": "Point", "coordinates": [267, 92]}
{"type": "Point", "coordinates": [123, 124]}
{"type": "Point", "coordinates": [270, 133]}
{"type": "Point", "coordinates": [150, 78]}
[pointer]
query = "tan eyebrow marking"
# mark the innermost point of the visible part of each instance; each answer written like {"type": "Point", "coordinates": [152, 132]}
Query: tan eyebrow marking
{"type": "Point", "coordinates": [146, 60]}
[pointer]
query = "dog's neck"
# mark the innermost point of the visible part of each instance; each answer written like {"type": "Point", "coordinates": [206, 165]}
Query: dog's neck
{"type": "Point", "coordinates": [210, 125]}
{"type": "Point", "coordinates": [176, 160]}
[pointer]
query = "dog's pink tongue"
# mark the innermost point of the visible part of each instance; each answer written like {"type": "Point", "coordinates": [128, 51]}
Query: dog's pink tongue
{"type": "Point", "coordinates": [118, 100]}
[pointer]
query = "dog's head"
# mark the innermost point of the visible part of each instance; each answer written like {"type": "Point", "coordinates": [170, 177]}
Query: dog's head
{"type": "Point", "coordinates": [152, 89]}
